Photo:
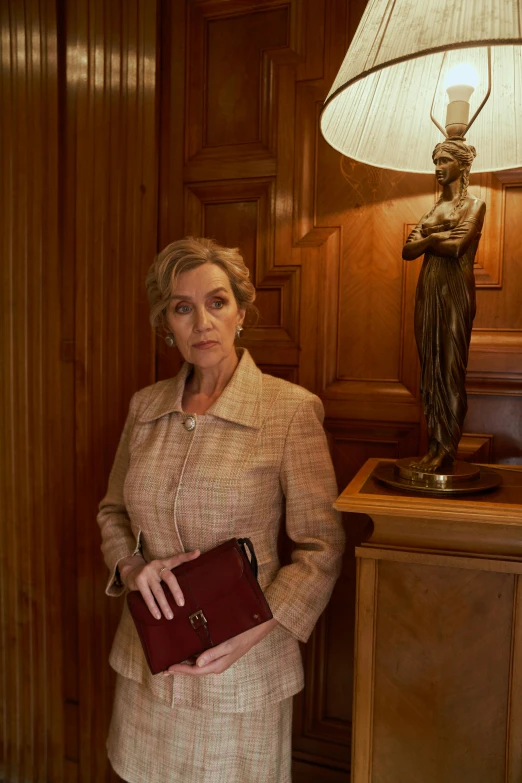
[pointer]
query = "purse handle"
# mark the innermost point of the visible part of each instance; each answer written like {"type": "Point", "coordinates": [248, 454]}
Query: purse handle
{"type": "Point", "coordinates": [245, 543]}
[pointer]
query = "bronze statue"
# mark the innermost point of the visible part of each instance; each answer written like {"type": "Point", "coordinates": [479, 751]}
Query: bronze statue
{"type": "Point", "coordinates": [448, 235]}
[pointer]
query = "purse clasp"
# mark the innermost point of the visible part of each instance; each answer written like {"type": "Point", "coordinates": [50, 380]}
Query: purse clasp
{"type": "Point", "coordinates": [198, 620]}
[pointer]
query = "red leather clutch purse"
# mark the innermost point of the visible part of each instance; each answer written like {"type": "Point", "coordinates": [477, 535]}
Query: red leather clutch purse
{"type": "Point", "coordinates": [222, 599]}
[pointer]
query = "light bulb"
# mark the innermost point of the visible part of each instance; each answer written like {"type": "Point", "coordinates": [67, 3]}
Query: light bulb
{"type": "Point", "coordinates": [461, 82]}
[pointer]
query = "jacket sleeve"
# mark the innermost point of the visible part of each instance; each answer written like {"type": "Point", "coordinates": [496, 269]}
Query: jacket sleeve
{"type": "Point", "coordinates": [301, 590]}
{"type": "Point", "coordinates": [118, 540]}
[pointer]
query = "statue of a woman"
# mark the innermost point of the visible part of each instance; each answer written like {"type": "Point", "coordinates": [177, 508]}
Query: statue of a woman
{"type": "Point", "coordinates": [448, 235]}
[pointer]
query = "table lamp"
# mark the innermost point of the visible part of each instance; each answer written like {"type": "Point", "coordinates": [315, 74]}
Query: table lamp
{"type": "Point", "coordinates": [411, 64]}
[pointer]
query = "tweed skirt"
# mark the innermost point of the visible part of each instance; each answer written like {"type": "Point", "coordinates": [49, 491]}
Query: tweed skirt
{"type": "Point", "coordinates": [150, 742]}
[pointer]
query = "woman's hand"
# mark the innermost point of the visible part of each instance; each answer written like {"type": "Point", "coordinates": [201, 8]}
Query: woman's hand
{"type": "Point", "coordinates": [146, 578]}
{"type": "Point", "coordinates": [218, 659]}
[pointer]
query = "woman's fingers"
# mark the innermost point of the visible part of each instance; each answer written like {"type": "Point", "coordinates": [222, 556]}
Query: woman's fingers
{"type": "Point", "coordinates": [176, 560]}
{"type": "Point", "coordinates": [143, 586]}
{"type": "Point", "coordinates": [173, 585]}
{"type": "Point", "coordinates": [220, 651]}
{"type": "Point", "coordinates": [215, 667]}
{"type": "Point", "coordinates": [168, 577]}
{"type": "Point", "coordinates": [161, 599]}
{"type": "Point", "coordinates": [148, 581]}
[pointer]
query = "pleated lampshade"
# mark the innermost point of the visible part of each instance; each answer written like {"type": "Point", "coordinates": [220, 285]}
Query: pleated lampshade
{"type": "Point", "coordinates": [378, 109]}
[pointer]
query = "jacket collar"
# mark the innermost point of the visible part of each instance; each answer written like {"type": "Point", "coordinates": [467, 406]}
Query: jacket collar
{"type": "Point", "coordinates": [240, 401]}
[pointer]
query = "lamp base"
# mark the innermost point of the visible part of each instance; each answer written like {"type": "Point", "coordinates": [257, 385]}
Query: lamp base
{"type": "Point", "coordinates": [459, 478]}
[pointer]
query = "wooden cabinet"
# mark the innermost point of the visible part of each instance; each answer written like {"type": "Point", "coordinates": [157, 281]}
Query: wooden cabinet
{"type": "Point", "coordinates": [438, 652]}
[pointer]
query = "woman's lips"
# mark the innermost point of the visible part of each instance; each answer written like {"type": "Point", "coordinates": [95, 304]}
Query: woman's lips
{"type": "Point", "coordinates": [206, 344]}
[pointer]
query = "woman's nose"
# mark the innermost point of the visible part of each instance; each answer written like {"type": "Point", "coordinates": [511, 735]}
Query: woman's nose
{"type": "Point", "coordinates": [202, 320]}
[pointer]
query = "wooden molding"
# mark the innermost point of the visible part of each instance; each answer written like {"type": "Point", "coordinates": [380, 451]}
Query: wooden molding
{"type": "Point", "coordinates": [288, 373]}
{"type": "Point", "coordinates": [307, 768]}
{"type": "Point", "coordinates": [510, 176]}
{"type": "Point", "coordinates": [371, 400]}
{"type": "Point", "coordinates": [372, 498]}
{"type": "Point", "coordinates": [489, 258]}
{"type": "Point", "coordinates": [365, 645]}
{"type": "Point", "coordinates": [409, 367]}
{"type": "Point", "coordinates": [316, 723]}
{"type": "Point", "coordinates": [310, 98]}
{"type": "Point", "coordinates": [276, 43]}
{"type": "Point", "coordinates": [475, 448]}
{"type": "Point", "coordinates": [495, 362]}
{"type": "Point", "coordinates": [244, 217]}
{"type": "Point", "coordinates": [318, 254]}
{"type": "Point", "coordinates": [514, 747]}
{"type": "Point", "coordinates": [353, 442]}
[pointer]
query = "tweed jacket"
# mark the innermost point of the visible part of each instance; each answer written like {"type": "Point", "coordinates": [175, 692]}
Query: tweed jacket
{"type": "Point", "coordinates": [257, 456]}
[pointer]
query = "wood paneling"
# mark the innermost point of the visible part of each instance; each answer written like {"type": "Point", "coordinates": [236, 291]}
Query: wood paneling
{"type": "Point", "coordinates": [514, 748]}
{"type": "Point", "coordinates": [353, 440]}
{"type": "Point", "coordinates": [367, 585]}
{"type": "Point", "coordinates": [32, 499]}
{"type": "Point", "coordinates": [236, 92]}
{"type": "Point", "coordinates": [505, 414]}
{"type": "Point", "coordinates": [438, 632]}
{"type": "Point", "coordinates": [126, 125]}
{"type": "Point", "coordinates": [490, 253]}
{"type": "Point", "coordinates": [79, 146]}
{"type": "Point", "coordinates": [241, 213]}
{"type": "Point", "coordinates": [418, 671]}
{"type": "Point", "coordinates": [476, 448]}
{"type": "Point", "coordinates": [113, 230]}
{"type": "Point", "coordinates": [231, 105]}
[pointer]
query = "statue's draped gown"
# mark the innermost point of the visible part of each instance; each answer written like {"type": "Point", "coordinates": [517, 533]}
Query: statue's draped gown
{"type": "Point", "coordinates": [444, 313]}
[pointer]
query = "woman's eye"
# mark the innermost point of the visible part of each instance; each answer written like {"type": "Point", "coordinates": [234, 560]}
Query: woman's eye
{"type": "Point", "coordinates": [183, 308]}
{"type": "Point", "coordinates": [217, 304]}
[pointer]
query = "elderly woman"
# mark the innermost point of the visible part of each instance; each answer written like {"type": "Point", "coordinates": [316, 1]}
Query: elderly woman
{"type": "Point", "coordinates": [448, 235]}
{"type": "Point", "coordinates": [219, 451]}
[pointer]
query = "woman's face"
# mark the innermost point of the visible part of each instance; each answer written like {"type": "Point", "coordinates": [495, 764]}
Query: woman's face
{"type": "Point", "coordinates": [203, 316]}
{"type": "Point", "coordinates": [447, 168]}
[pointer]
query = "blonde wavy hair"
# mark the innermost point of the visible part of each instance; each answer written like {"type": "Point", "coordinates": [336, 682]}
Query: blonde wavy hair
{"type": "Point", "coordinates": [187, 254]}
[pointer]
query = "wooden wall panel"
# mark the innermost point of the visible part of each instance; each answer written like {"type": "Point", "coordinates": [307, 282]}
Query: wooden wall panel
{"type": "Point", "coordinates": [236, 94]}
{"type": "Point", "coordinates": [113, 158]}
{"type": "Point", "coordinates": [150, 124]}
{"type": "Point", "coordinates": [495, 363]}
{"type": "Point", "coordinates": [241, 213]}
{"type": "Point", "coordinates": [32, 499]}
{"type": "Point", "coordinates": [417, 673]}
{"type": "Point", "coordinates": [489, 257]}
{"type": "Point", "coordinates": [230, 89]}
{"type": "Point", "coordinates": [374, 363]}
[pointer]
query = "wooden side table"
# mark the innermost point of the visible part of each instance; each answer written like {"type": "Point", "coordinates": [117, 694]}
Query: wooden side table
{"type": "Point", "coordinates": [438, 658]}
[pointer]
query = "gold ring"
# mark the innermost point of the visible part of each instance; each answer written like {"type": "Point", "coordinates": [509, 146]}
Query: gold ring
{"type": "Point", "coordinates": [161, 571]}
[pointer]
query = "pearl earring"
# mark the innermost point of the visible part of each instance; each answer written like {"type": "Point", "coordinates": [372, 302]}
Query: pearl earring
{"type": "Point", "coordinates": [170, 340]}
{"type": "Point", "coordinates": [239, 329]}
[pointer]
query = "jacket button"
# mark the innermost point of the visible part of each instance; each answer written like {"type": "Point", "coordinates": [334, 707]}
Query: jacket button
{"type": "Point", "coordinates": [189, 423]}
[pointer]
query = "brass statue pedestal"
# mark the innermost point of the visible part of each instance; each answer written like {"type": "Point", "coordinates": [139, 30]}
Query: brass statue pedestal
{"type": "Point", "coordinates": [459, 478]}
